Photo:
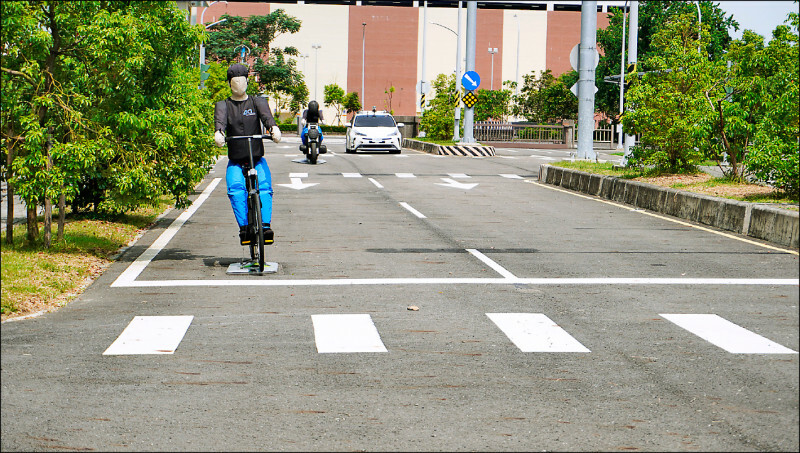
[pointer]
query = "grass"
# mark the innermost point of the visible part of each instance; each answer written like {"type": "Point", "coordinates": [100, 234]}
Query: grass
{"type": "Point", "coordinates": [35, 279]}
{"type": "Point", "coordinates": [698, 182]}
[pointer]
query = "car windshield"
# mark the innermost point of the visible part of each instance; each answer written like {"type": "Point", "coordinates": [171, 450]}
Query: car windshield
{"type": "Point", "coordinates": [374, 121]}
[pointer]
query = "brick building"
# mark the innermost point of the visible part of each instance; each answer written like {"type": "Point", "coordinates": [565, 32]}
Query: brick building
{"type": "Point", "coordinates": [528, 35]}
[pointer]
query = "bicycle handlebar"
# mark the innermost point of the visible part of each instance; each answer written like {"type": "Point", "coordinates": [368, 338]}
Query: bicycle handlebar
{"type": "Point", "coordinates": [236, 137]}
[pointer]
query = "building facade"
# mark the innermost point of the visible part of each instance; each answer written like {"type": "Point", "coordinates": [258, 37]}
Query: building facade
{"type": "Point", "coordinates": [529, 37]}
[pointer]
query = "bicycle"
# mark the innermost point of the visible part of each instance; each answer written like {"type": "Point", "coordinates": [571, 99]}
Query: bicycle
{"type": "Point", "coordinates": [255, 231]}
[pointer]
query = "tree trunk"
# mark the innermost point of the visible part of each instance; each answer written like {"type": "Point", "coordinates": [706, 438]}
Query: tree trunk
{"type": "Point", "coordinates": [62, 202]}
{"type": "Point", "coordinates": [10, 154]}
{"type": "Point", "coordinates": [48, 205]}
{"type": "Point", "coordinates": [33, 223]}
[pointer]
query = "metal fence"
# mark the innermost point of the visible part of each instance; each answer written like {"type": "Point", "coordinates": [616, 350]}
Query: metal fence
{"type": "Point", "coordinates": [497, 131]}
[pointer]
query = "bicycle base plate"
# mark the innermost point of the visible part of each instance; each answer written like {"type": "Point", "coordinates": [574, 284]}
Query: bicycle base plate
{"type": "Point", "coordinates": [306, 161]}
{"type": "Point", "coordinates": [250, 268]}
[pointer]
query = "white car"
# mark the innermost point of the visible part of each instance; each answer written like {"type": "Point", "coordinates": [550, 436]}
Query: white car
{"type": "Point", "coordinates": [373, 131]}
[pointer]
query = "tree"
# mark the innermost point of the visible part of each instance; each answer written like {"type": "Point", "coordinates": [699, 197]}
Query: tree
{"type": "Point", "coordinates": [351, 103]}
{"type": "Point", "coordinates": [388, 102]}
{"type": "Point", "coordinates": [668, 104]}
{"type": "Point", "coordinates": [108, 101]}
{"type": "Point", "coordinates": [652, 17]}
{"type": "Point", "coordinates": [276, 72]}
{"type": "Point", "coordinates": [334, 97]}
{"type": "Point", "coordinates": [437, 120]}
{"type": "Point", "coordinates": [492, 104]}
{"type": "Point", "coordinates": [547, 99]}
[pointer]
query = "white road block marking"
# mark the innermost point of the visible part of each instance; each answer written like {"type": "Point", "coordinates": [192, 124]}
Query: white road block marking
{"type": "Point", "coordinates": [459, 175]}
{"type": "Point", "coordinates": [151, 335]}
{"type": "Point", "coordinates": [346, 333]}
{"type": "Point", "coordinates": [535, 332]}
{"type": "Point", "coordinates": [351, 175]}
{"type": "Point", "coordinates": [726, 335]}
{"type": "Point", "coordinates": [405, 175]}
{"type": "Point", "coordinates": [376, 183]}
{"type": "Point", "coordinates": [508, 176]}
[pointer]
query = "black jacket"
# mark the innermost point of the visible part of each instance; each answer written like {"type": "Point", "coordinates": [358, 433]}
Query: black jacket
{"type": "Point", "coordinates": [242, 118]}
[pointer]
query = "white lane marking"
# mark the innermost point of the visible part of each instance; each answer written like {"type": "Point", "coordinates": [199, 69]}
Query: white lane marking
{"type": "Point", "coordinates": [535, 332]}
{"type": "Point", "coordinates": [458, 175]}
{"type": "Point", "coordinates": [377, 184]}
{"type": "Point", "coordinates": [298, 175]}
{"type": "Point", "coordinates": [351, 175]}
{"type": "Point", "coordinates": [511, 176]}
{"type": "Point", "coordinates": [730, 236]}
{"type": "Point", "coordinates": [455, 184]}
{"type": "Point", "coordinates": [346, 333]}
{"type": "Point", "coordinates": [497, 268]}
{"type": "Point", "coordinates": [405, 175]}
{"type": "Point", "coordinates": [151, 335]}
{"type": "Point", "coordinates": [726, 335]}
{"type": "Point", "coordinates": [412, 210]}
{"type": "Point", "coordinates": [144, 259]}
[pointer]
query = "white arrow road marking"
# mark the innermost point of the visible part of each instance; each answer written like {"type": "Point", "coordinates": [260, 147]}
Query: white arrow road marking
{"type": "Point", "coordinates": [455, 184]}
{"type": "Point", "coordinates": [727, 335]}
{"type": "Point", "coordinates": [297, 182]}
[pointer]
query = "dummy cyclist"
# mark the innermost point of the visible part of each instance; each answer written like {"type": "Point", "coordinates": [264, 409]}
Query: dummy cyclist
{"type": "Point", "coordinates": [312, 115]}
{"type": "Point", "coordinates": [242, 114]}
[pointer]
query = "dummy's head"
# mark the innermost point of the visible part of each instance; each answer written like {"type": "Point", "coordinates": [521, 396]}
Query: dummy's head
{"type": "Point", "coordinates": [313, 112]}
{"type": "Point", "coordinates": [237, 79]}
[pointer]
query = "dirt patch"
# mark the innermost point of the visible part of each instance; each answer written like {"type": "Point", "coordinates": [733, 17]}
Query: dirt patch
{"type": "Point", "coordinates": [697, 183]}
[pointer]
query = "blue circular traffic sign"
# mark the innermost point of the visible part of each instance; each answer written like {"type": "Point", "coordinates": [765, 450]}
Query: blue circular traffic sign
{"type": "Point", "coordinates": [471, 80]}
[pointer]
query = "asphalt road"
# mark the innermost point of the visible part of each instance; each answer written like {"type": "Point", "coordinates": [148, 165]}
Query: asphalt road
{"type": "Point", "coordinates": [547, 320]}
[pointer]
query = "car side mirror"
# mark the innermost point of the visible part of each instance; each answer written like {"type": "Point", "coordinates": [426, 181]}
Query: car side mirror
{"type": "Point", "coordinates": [400, 124]}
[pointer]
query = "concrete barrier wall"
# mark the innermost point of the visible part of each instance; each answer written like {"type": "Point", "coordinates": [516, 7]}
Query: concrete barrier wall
{"type": "Point", "coordinates": [780, 226]}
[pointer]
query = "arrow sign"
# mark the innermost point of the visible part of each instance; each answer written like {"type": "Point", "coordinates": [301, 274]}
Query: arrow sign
{"type": "Point", "coordinates": [471, 80]}
{"type": "Point", "coordinates": [455, 184]}
{"type": "Point", "coordinates": [297, 182]}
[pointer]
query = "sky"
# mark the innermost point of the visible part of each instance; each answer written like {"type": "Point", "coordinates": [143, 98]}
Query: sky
{"type": "Point", "coordinates": [760, 16]}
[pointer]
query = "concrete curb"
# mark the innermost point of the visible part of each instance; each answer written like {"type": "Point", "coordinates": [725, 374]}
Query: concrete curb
{"type": "Point", "coordinates": [458, 150]}
{"type": "Point", "coordinates": [768, 223]}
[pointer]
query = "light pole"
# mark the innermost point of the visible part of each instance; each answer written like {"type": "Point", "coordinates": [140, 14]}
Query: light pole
{"type": "Point", "coordinates": [202, 47]}
{"type": "Point", "coordinates": [316, 60]}
{"type": "Point", "coordinates": [363, 41]}
{"type": "Point", "coordinates": [457, 114]}
{"type": "Point", "coordinates": [492, 51]}
{"type": "Point", "coordinates": [699, 25]}
{"type": "Point", "coordinates": [516, 74]}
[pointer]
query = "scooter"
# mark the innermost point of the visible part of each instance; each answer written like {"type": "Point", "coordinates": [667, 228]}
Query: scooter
{"type": "Point", "coordinates": [314, 147]}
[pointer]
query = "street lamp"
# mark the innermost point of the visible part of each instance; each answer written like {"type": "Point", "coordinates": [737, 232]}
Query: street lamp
{"type": "Point", "coordinates": [363, 35]}
{"type": "Point", "coordinates": [457, 114]}
{"type": "Point", "coordinates": [316, 60]}
{"type": "Point", "coordinates": [202, 47]}
{"type": "Point", "coordinates": [492, 51]}
{"type": "Point", "coordinates": [516, 75]}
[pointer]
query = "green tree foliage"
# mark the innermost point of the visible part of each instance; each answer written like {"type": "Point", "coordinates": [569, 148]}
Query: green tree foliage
{"type": "Point", "coordinates": [334, 97]}
{"type": "Point", "coordinates": [276, 72]}
{"type": "Point", "coordinates": [668, 105]}
{"type": "Point", "coordinates": [437, 120]}
{"type": "Point", "coordinates": [652, 17]}
{"type": "Point", "coordinates": [492, 105]}
{"type": "Point", "coordinates": [547, 99]}
{"type": "Point", "coordinates": [351, 103]}
{"type": "Point", "coordinates": [107, 107]}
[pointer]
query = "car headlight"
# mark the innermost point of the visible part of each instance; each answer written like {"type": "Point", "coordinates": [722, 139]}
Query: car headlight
{"type": "Point", "coordinates": [395, 132]}
{"type": "Point", "coordinates": [361, 134]}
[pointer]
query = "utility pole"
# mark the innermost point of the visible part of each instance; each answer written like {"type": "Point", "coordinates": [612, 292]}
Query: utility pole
{"type": "Point", "coordinates": [469, 113]}
{"type": "Point", "coordinates": [457, 117]}
{"type": "Point", "coordinates": [586, 88]}
{"type": "Point", "coordinates": [633, 37]}
{"type": "Point", "coordinates": [422, 84]}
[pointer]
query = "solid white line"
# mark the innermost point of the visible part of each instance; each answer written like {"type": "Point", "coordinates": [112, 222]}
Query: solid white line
{"type": "Point", "coordinates": [298, 175]}
{"type": "Point", "coordinates": [412, 210]}
{"type": "Point", "coordinates": [377, 184]}
{"type": "Point", "coordinates": [351, 175]}
{"type": "Point", "coordinates": [467, 281]}
{"type": "Point", "coordinates": [511, 176]}
{"type": "Point", "coordinates": [346, 333]}
{"type": "Point", "coordinates": [730, 236]}
{"type": "Point", "coordinates": [136, 267]}
{"type": "Point", "coordinates": [151, 335]}
{"type": "Point", "coordinates": [498, 268]}
{"type": "Point", "coordinates": [726, 335]}
{"type": "Point", "coordinates": [535, 332]}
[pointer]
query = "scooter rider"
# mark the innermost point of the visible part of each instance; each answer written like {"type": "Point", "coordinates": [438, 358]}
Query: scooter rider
{"type": "Point", "coordinates": [312, 115]}
{"type": "Point", "coordinates": [241, 114]}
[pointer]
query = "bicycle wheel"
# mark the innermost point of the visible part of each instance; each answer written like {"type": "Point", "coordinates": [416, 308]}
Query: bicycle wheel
{"type": "Point", "coordinates": [259, 232]}
{"type": "Point", "coordinates": [312, 151]}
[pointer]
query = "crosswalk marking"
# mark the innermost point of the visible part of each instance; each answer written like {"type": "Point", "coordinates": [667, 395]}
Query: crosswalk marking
{"type": "Point", "coordinates": [535, 332]}
{"type": "Point", "coordinates": [346, 333]}
{"type": "Point", "coordinates": [151, 335]}
{"type": "Point", "coordinates": [726, 335]}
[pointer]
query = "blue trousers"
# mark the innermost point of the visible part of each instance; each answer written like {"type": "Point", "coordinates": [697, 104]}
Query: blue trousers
{"type": "Point", "coordinates": [305, 132]}
{"type": "Point", "coordinates": [237, 191]}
